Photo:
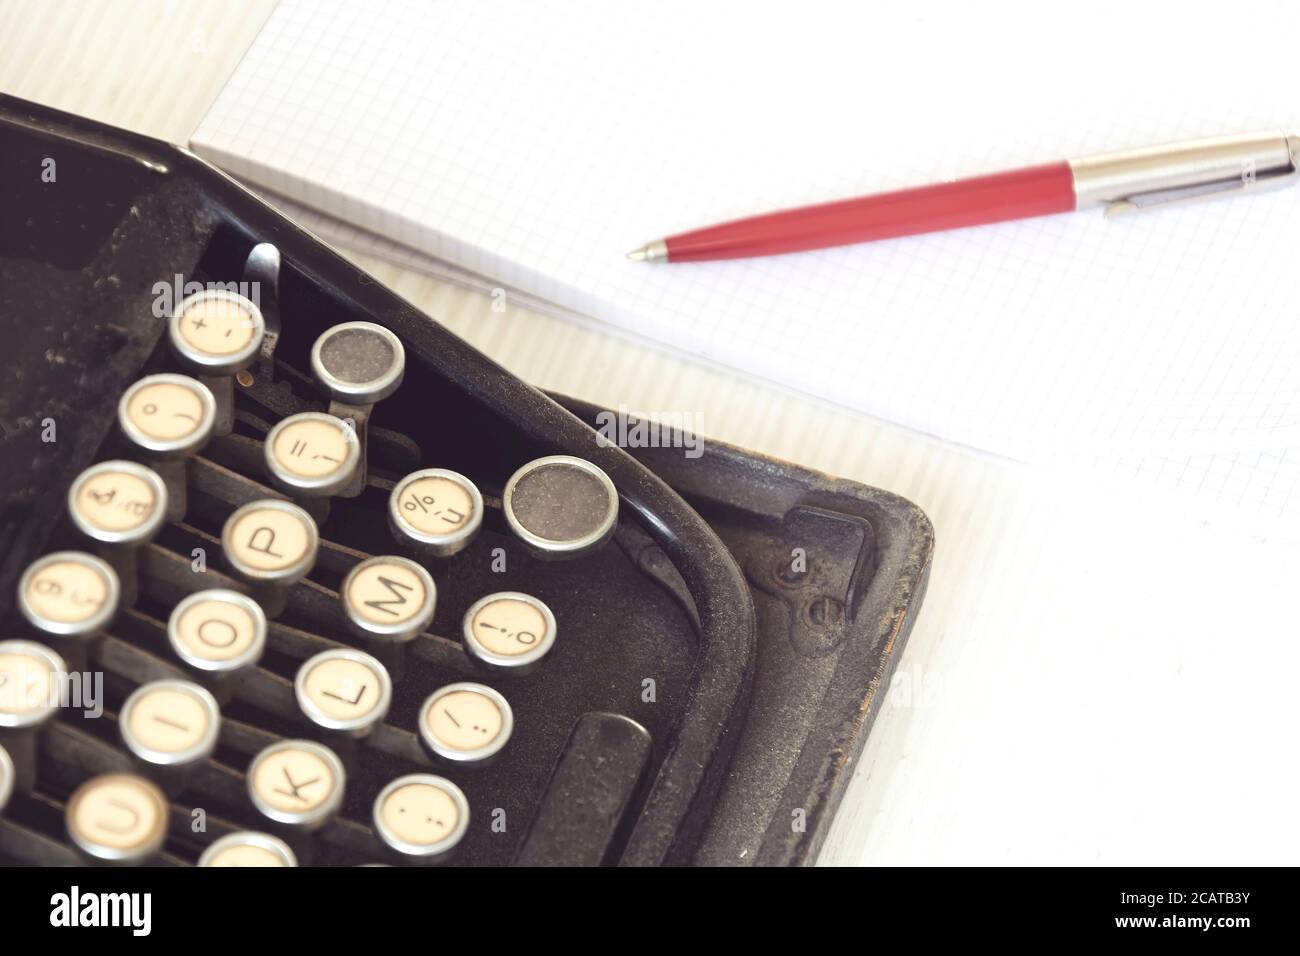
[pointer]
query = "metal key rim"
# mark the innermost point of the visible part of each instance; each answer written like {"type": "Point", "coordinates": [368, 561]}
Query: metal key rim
{"type": "Point", "coordinates": [400, 632]}
{"type": "Point", "coordinates": [141, 532]}
{"type": "Point", "coordinates": [508, 661]}
{"type": "Point", "coordinates": [430, 850]}
{"type": "Point", "coordinates": [360, 393]}
{"type": "Point", "coordinates": [314, 817]}
{"type": "Point", "coordinates": [478, 754]}
{"type": "Point", "coordinates": [119, 854]}
{"type": "Point", "coordinates": [169, 446]}
{"type": "Point", "coordinates": [206, 664]}
{"type": "Point", "coordinates": [58, 671]}
{"type": "Point", "coordinates": [287, 575]}
{"type": "Point", "coordinates": [371, 717]}
{"type": "Point", "coordinates": [165, 758]}
{"type": "Point", "coordinates": [205, 362]}
{"type": "Point", "coordinates": [442, 545]}
{"type": "Point", "coordinates": [91, 625]}
{"type": "Point", "coordinates": [551, 546]}
{"type": "Point", "coordinates": [265, 841]}
{"type": "Point", "coordinates": [323, 484]}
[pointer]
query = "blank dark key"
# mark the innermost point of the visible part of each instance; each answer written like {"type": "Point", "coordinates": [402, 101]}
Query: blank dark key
{"type": "Point", "coordinates": [591, 788]}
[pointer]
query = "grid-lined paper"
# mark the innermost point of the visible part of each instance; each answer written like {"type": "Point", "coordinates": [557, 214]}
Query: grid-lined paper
{"type": "Point", "coordinates": [535, 142]}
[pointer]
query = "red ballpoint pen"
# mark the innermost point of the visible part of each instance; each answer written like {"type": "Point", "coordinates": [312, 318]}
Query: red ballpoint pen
{"type": "Point", "coordinates": [1122, 182]}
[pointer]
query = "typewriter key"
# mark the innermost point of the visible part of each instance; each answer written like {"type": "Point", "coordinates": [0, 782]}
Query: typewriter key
{"type": "Point", "coordinates": [70, 597]}
{"type": "Point", "coordinates": [168, 417]}
{"type": "Point", "coordinates": [312, 454]}
{"type": "Point", "coordinates": [421, 817]}
{"type": "Point", "coordinates": [388, 601]}
{"type": "Point", "coordinates": [170, 726]}
{"type": "Point", "coordinates": [508, 631]}
{"type": "Point", "coordinates": [118, 818]}
{"type": "Point", "coordinates": [465, 724]}
{"type": "Point", "coordinates": [218, 634]}
{"type": "Point", "coordinates": [6, 779]}
{"type": "Point", "coordinates": [560, 507]}
{"type": "Point", "coordinates": [33, 683]}
{"type": "Point", "coordinates": [121, 505]}
{"type": "Point", "coordinates": [248, 848]}
{"type": "Point", "coordinates": [344, 690]}
{"type": "Point", "coordinates": [435, 511]}
{"type": "Point", "coordinates": [358, 364]}
{"type": "Point", "coordinates": [217, 333]}
{"type": "Point", "coordinates": [297, 783]}
{"type": "Point", "coordinates": [270, 544]}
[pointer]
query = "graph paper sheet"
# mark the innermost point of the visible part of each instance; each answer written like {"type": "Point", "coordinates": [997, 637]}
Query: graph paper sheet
{"type": "Point", "coordinates": [534, 143]}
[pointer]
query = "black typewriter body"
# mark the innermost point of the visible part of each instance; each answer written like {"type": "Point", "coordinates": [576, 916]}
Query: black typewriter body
{"type": "Point", "coordinates": [718, 663]}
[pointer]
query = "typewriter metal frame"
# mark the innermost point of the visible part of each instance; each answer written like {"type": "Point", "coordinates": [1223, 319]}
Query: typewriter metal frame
{"type": "Point", "coordinates": [780, 699]}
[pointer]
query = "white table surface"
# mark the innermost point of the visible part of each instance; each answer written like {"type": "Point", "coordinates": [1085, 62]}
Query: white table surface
{"type": "Point", "coordinates": [1095, 678]}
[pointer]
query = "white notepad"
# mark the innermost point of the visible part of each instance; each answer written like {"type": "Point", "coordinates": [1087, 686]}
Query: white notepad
{"type": "Point", "coordinates": [533, 143]}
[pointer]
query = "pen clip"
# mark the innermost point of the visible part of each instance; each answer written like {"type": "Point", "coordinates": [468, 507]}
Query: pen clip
{"type": "Point", "coordinates": [1248, 182]}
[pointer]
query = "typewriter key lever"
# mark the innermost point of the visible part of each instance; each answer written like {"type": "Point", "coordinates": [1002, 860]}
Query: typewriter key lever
{"type": "Point", "coordinates": [33, 680]}
{"type": "Point", "coordinates": [216, 333]}
{"type": "Point", "coordinates": [121, 505]}
{"type": "Point", "coordinates": [217, 634]}
{"type": "Point", "coordinates": [388, 601]}
{"type": "Point", "coordinates": [358, 364]}
{"type": "Point", "coordinates": [298, 785]}
{"type": "Point", "coordinates": [345, 692]}
{"type": "Point", "coordinates": [170, 726]}
{"type": "Point", "coordinates": [69, 597]}
{"type": "Point", "coordinates": [117, 818]}
{"type": "Point", "coordinates": [270, 545]}
{"type": "Point", "coordinates": [312, 454]}
{"type": "Point", "coordinates": [168, 418]}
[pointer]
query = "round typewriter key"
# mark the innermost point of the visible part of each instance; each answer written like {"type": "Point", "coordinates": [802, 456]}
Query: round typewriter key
{"type": "Point", "coordinates": [312, 454]}
{"type": "Point", "coordinates": [388, 601]}
{"type": "Point", "coordinates": [344, 690]}
{"type": "Point", "coordinates": [465, 724]}
{"type": "Point", "coordinates": [248, 848]}
{"type": "Point", "coordinates": [388, 598]}
{"type": "Point", "coordinates": [118, 818]}
{"type": "Point", "coordinates": [270, 544]}
{"type": "Point", "coordinates": [33, 683]}
{"type": "Point", "coordinates": [359, 363]}
{"type": "Point", "coordinates": [218, 634]}
{"type": "Point", "coordinates": [561, 507]}
{"type": "Point", "coordinates": [168, 417]}
{"type": "Point", "coordinates": [70, 597]}
{"type": "Point", "coordinates": [169, 726]}
{"type": "Point", "coordinates": [118, 502]}
{"type": "Point", "coordinates": [121, 505]}
{"type": "Point", "coordinates": [6, 779]}
{"type": "Point", "coordinates": [509, 631]}
{"type": "Point", "coordinates": [421, 817]}
{"type": "Point", "coordinates": [217, 333]}
{"type": "Point", "coordinates": [435, 511]}
{"type": "Point", "coordinates": [297, 783]}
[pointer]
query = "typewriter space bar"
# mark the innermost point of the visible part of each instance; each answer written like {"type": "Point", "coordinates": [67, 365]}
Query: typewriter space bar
{"type": "Point", "coordinates": [594, 783]}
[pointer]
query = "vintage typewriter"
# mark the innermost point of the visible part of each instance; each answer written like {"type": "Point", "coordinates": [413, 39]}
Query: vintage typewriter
{"type": "Point", "coordinates": [291, 575]}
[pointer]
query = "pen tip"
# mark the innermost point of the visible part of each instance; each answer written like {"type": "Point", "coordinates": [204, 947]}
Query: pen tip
{"type": "Point", "coordinates": [651, 252]}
